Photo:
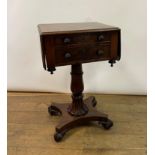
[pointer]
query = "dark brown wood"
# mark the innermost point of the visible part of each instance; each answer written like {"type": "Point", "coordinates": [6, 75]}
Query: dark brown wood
{"type": "Point", "coordinates": [74, 44]}
{"type": "Point", "coordinates": [81, 53]}
{"type": "Point", "coordinates": [81, 41]}
{"type": "Point", "coordinates": [77, 108]}
{"type": "Point", "coordinates": [69, 121]}
{"type": "Point", "coordinates": [67, 28]}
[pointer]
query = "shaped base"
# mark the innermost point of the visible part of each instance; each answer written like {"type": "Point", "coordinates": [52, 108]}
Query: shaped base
{"type": "Point", "coordinates": [68, 121]}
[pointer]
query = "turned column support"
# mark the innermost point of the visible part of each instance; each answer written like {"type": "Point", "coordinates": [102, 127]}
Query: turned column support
{"type": "Point", "coordinates": [77, 107]}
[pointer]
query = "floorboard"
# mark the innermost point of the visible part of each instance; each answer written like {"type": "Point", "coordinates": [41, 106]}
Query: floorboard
{"type": "Point", "coordinates": [31, 128]}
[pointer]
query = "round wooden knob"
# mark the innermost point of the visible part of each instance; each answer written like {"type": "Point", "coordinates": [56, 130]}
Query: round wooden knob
{"type": "Point", "coordinates": [67, 55]}
{"type": "Point", "coordinates": [100, 52]}
{"type": "Point", "coordinates": [100, 37]}
{"type": "Point", "coordinates": [67, 40]}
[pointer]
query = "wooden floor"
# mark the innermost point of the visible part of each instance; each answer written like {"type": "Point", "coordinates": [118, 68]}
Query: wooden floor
{"type": "Point", "coordinates": [31, 128]}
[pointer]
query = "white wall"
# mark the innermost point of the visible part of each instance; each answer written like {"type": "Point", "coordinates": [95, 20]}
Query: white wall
{"type": "Point", "coordinates": [25, 70]}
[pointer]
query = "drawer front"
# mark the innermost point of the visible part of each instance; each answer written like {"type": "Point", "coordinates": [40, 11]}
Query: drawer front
{"type": "Point", "coordinates": [83, 53]}
{"type": "Point", "coordinates": [70, 39]}
{"type": "Point", "coordinates": [91, 49]}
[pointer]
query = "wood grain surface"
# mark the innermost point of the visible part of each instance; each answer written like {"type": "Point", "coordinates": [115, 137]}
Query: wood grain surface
{"type": "Point", "coordinates": [59, 28]}
{"type": "Point", "coordinates": [31, 128]}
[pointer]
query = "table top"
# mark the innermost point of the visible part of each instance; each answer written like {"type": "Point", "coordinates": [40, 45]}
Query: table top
{"type": "Point", "coordinates": [63, 28]}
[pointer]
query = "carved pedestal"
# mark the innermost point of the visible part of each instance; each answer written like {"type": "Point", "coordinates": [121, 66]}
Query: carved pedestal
{"type": "Point", "coordinates": [79, 111]}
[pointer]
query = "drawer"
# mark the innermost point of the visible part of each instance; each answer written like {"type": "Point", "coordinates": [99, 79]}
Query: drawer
{"type": "Point", "coordinates": [78, 54]}
{"type": "Point", "coordinates": [69, 39]}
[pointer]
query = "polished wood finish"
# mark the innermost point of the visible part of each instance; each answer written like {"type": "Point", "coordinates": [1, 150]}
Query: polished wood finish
{"type": "Point", "coordinates": [77, 107]}
{"type": "Point", "coordinates": [81, 41]}
{"type": "Point", "coordinates": [65, 28]}
{"type": "Point", "coordinates": [74, 44]}
{"type": "Point", "coordinates": [30, 127]}
{"type": "Point", "coordinates": [81, 54]}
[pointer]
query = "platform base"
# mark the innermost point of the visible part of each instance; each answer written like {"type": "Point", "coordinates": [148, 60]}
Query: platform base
{"type": "Point", "coordinates": [68, 121]}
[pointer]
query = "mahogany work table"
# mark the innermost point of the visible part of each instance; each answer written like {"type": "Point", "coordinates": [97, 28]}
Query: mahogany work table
{"type": "Point", "coordinates": [74, 44]}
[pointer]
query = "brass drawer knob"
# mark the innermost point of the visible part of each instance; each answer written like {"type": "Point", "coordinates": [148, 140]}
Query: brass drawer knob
{"type": "Point", "coordinates": [101, 37]}
{"type": "Point", "coordinates": [67, 40]}
{"type": "Point", "coordinates": [100, 52]}
{"type": "Point", "coordinates": [67, 55]}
